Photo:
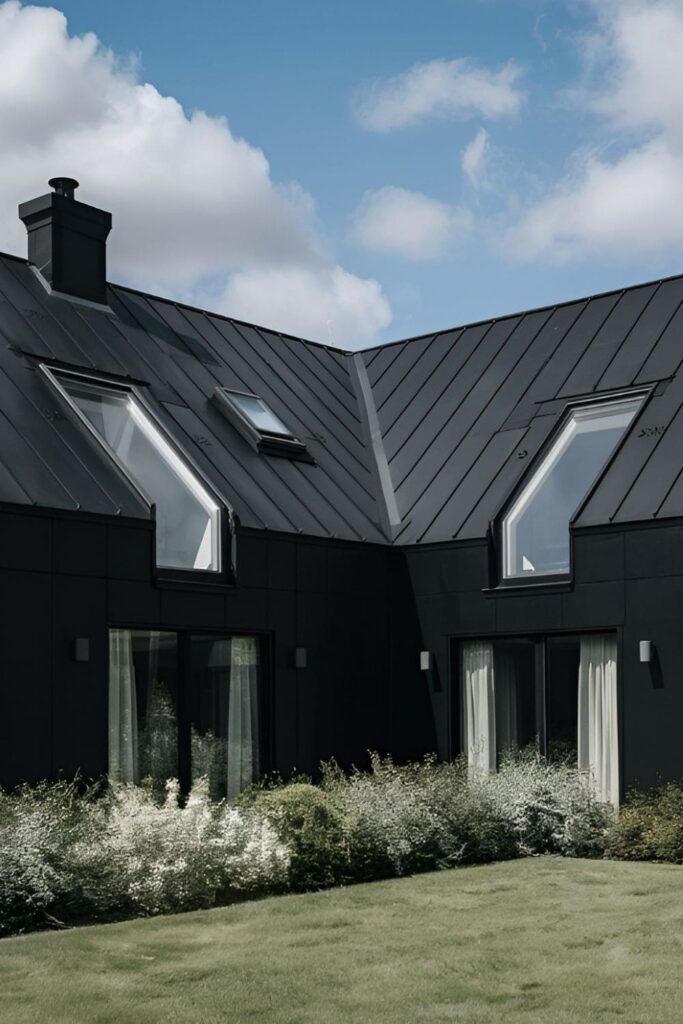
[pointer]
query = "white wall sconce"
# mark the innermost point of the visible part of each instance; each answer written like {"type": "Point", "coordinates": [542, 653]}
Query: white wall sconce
{"type": "Point", "coordinates": [425, 661]}
{"type": "Point", "coordinates": [646, 649]}
{"type": "Point", "coordinates": [300, 657]}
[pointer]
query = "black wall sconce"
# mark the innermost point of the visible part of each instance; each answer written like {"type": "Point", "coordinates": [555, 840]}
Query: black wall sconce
{"type": "Point", "coordinates": [81, 648]}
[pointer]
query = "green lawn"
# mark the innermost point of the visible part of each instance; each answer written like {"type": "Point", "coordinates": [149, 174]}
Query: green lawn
{"type": "Point", "coordinates": [540, 941]}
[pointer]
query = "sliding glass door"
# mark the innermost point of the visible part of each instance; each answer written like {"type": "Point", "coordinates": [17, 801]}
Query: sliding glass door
{"type": "Point", "coordinates": [556, 693]}
{"type": "Point", "coordinates": [186, 706]}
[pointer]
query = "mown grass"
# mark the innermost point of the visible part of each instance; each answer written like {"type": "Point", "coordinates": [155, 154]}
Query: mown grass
{"type": "Point", "coordinates": [539, 941]}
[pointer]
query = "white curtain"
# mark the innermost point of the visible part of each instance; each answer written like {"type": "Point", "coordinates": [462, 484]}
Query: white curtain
{"type": "Point", "coordinates": [123, 717]}
{"type": "Point", "coordinates": [597, 714]}
{"type": "Point", "coordinates": [505, 680]}
{"type": "Point", "coordinates": [480, 707]}
{"type": "Point", "coordinates": [243, 732]}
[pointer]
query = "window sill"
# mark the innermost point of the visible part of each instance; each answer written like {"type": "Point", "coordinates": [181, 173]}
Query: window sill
{"type": "Point", "coordinates": [548, 586]}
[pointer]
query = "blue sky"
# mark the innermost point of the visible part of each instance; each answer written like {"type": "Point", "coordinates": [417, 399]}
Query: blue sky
{"type": "Point", "coordinates": [368, 225]}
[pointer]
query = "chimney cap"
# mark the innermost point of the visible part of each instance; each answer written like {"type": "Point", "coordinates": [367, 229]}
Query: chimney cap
{"type": "Point", "coordinates": [64, 186]}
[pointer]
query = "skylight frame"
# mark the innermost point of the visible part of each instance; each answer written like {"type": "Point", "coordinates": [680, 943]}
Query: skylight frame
{"type": "Point", "coordinates": [181, 464]}
{"type": "Point", "coordinates": [540, 469]}
{"type": "Point", "coordinates": [266, 442]}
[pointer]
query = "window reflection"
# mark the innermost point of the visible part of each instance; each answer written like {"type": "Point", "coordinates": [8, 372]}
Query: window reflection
{"type": "Point", "coordinates": [536, 528]}
{"type": "Point", "coordinates": [143, 701]}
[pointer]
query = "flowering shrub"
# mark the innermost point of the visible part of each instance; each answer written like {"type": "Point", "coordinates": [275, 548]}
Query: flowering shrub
{"type": "Point", "coordinates": [68, 857]}
{"type": "Point", "coordinates": [414, 817]}
{"type": "Point", "coordinates": [549, 804]}
{"type": "Point", "coordinates": [65, 857]}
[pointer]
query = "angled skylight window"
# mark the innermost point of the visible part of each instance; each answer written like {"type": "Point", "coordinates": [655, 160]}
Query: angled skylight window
{"type": "Point", "coordinates": [535, 528]}
{"type": "Point", "coordinates": [187, 516]}
{"type": "Point", "coordinates": [257, 422]}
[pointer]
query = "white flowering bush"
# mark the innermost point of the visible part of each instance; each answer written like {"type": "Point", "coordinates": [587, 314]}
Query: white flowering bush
{"type": "Point", "coordinates": [550, 805]}
{"type": "Point", "coordinates": [402, 819]}
{"type": "Point", "coordinates": [67, 857]}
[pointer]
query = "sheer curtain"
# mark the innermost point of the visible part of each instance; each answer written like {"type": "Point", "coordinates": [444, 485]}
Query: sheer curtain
{"type": "Point", "coordinates": [243, 731]}
{"type": "Point", "coordinates": [480, 706]}
{"type": "Point", "coordinates": [505, 677]}
{"type": "Point", "coordinates": [123, 716]}
{"type": "Point", "coordinates": [597, 713]}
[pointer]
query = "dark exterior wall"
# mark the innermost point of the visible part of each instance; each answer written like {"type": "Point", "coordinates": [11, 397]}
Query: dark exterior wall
{"type": "Point", "coordinates": [628, 579]}
{"type": "Point", "coordinates": [64, 576]}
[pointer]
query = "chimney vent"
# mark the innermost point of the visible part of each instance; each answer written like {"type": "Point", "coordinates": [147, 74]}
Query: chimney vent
{"type": "Point", "coordinates": [67, 242]}
{"type": "Point", "coordinates": [64, 186]}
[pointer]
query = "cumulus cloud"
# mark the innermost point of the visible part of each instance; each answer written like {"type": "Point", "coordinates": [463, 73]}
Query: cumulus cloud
{"type": "Point", "coordinates": [441, 88]}
{"type": "Point", "coordinates": [630, 203]}
{"type": "Point", "coordinates": [409, 224]}
{"type": "Point", "coordinates": [191, 201]}
{"type": "Point", "coordinates": [474, 158]}
{"type": "Point", "coordinates": [299, 300]}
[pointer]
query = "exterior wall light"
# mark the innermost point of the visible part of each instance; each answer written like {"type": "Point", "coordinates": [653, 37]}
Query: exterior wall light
{"type": "Point", "coordinates": [425, 661]}
{"type": "Point", "coordinates": [300, 657]}
{"type": "Point", "coordinates": [646, 650]}
{"type": "Point", "coordinates": [81, 648]}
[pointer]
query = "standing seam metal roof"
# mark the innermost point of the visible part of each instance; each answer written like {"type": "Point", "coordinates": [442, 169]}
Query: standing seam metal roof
{"type": "Point", "coordinates": [461, 412]}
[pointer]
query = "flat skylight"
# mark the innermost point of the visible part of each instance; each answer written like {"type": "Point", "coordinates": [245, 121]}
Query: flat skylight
{"type": "Point", "coordinates": [257, 422]}
{"type": "Point", "coordinates": [258, 413]}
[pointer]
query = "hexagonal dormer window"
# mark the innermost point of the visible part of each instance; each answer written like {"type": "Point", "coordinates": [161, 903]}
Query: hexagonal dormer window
{"type": "Point", "coordinates": [535, 528]}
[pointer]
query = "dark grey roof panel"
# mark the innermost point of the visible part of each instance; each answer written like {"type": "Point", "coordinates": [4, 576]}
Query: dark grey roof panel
{"type": "Point", "coordinates": [633, 354]}
{"type": "Point", "coordinates": [606, 343]}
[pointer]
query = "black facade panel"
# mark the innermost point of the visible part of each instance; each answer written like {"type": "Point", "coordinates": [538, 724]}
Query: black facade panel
{"type": "Point", "coordinates": [131, 603]}
{"type": "Point", "coordinates": [192, 610]}
{"type": "Point", "coordinates": [598, 557]}
{"type": "Point", "coordinates": [25, 542]}
{"type": "Point", "coordinates": [130, 552]}
{"type": "Point", "coordinates": [80, 548]}
{"type": "Point", "coordinates": [27, 667]}
{"type": "Point", "coordinates": [79, 688]}
{"type": "Point", "coordinates": [520, 613]}
{"type": "Point", "coordinates": [654, 552]}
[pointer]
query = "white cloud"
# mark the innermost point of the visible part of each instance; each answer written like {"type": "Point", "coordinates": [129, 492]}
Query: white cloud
{"type": "Point", "coordinates": [440, 88]}
{"type": "Point", "coordinates": [191, 202]}
{"type": "Point", "coordinates": [300, 300]}
{"type": "Point", "coordinates": [409, 224]}
{"type": "Point", "coordinates": [474, 158]}
{"type": "Point", "coordinates": [630, 205]}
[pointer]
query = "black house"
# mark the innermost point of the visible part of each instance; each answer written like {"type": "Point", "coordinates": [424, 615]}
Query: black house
{"type": "Point", "coordinates": [225, 550]}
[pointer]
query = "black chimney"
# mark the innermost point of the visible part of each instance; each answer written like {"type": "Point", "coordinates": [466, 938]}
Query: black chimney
{"type": "Point", "coordinates": [67, 241]}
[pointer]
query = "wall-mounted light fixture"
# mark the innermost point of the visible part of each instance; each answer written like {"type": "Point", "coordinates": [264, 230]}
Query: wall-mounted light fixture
{"type": "Point", "coordinates": [425, 661]}
{"type": "Point", "coordinates": [81, 648]}
{"type": "Point", "coordinates": [646, 650]}
{"type": "Point", "coordinates": [300, 657]}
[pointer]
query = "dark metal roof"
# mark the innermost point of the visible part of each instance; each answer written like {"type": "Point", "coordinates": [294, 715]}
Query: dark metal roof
{"type": "Point", "coordinates": [460, 413]}
{"type": "Point", "coordinates": [463, 412]}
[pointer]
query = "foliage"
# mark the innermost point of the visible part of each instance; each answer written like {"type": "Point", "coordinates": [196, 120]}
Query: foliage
{"type": "Point", "coordinates": [65, 857]}
{"type": "Point", "coordinates": [313, 829]}
{"type": "Point", "coordinates": [402, 819]}
{"type": "Point", "coordinates": [650, 826]}
{"type": "Point", "coordinates": [549, 805]}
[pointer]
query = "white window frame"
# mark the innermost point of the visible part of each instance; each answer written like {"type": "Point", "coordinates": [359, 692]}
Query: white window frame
{"type": "Point", "coordinates": [178, 461]}
{"type": "Point", "coordinates": [539, 474]}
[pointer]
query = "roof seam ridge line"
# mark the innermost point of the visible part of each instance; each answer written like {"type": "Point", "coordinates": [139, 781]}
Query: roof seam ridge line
{"type": "Point", "coordinates": [389, 515]}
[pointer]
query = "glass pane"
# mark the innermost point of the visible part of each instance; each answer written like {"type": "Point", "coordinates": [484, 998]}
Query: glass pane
{"type": "Point", "coordinates": [259, 414]}
{"type": "Point", "coordinates": [225, 712]}
{"type": "Point", "coordinates": [186, 517]}
{"type": "Point", "coordinates": [562, 699]}
{"type": "Point", "coordinates": [143, 702]}
{"type": "Point", "coordinates": [517, 722]}
{"type": "Point", "coordinates": [536, 529]}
